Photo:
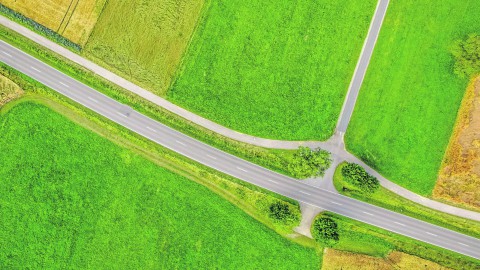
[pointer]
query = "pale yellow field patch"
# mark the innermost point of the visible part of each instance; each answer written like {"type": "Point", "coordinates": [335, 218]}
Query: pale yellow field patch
{"type": "Point", "coordinates": [73, 19]}
{"type": "Point", "coordinates": [8, 90]}
{"type": "Point", "coordinates": [336, 259]}
{"type": "Point", "coordinates": [459, 177]}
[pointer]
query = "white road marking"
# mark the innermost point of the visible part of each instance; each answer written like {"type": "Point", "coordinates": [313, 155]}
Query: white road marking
{"type": "Point", "coordinates": [431, 234]}
{"type": "Point", "coordinates": [212, 157]}
{"type": "Point", "coordinates": [149, 128]}
{"type": "Point", "coordinates": [336, 203]}
{"type": "Point", "coordinates": [121, 114]}
{"type": "Point", "coordinates": [179, 142]}
{"type": "Point", "coordinates": [370, 214]}
{"type": "Point", "coordinates": [243, 170]}
{"type": "Point", "coordinates": [401, 224]}
{"type": "Point", "coordinates": [270, 180]}
{"type": "Point", "coordinates": [37, 70]}
{"type": "Point", "coordinates": [301, 191]}
{"type": "Point", "coordinates": [7, 54]}
{"type": "Point", "coordinates": [463, 244]}
{"type": "Point", "coordinates": [96, 101]}
{"type": "Point", "coordinates": [66, 85]}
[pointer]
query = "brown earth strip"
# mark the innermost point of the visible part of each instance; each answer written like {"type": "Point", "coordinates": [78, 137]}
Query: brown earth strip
{"type": "Point", "coordinates": [336, 259]}
{"type": "Point", "coordinates": [459, 176]}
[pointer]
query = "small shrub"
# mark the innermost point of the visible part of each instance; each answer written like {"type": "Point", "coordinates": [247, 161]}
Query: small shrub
{"type": "Point", "coordinates": [281, 211]}
{"type": "Point", "coordinates": [308, 163]}
{"type": "Point", "coordinates": [357, 176]}
{"type": "Point", "coordinates": [467, 56]}
{"type": "Point", "coordinates": [325, 231]}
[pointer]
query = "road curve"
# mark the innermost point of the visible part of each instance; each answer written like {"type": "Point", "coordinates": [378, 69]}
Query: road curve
{"type": "Point", "coordinates": [232, 165]}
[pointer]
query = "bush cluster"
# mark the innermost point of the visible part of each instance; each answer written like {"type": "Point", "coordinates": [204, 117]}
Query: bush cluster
{"type": "Point", "coordinates": [40, 28]}
{"type": "Point", "coordinates": [467, 56]}
{"type": "Point", "coordinates": [281, 211]}
{"type": "Point", "coordinates": [309, 163]}
{"type": "Point", "coordinates": [357, 176]}
{"type": "Point", "coordinates": [325, 231]}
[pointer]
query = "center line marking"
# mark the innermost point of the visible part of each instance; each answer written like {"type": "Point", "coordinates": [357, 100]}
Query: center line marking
{"type": "Point", "coordinates": [301, 191]}
{"type": "Point", "coordinates": [370, 214]}
{"type": "Point", "coordinates": [66, 85]}
{"type": "Point", "coordinates": [401, 224]}
{"type": "Point", "coordinates": [179, 142]}
{"type": "Point", "coordinates": [270, 180]}
{"type": "Point", "coordinates": [149, 128]}
{"type": "Point", "coordinates": [121, 114]}
{"type": "Point", "coordinates": [35, 69]}
{"type": "Point", "coordinates": [96, 101]}
{"type": "Point", "coordinates": [431, 234]}
{"type": "Point", "coordinates": [212, 157]}
{"type": "Point", "coordinates": [241, 169]}
{"type": "Point", "coordinates": [463, 244]}
{"type": "Point", "coordinates": [7, 54]}
{"type": "Point", "coordinates": [336, 203]}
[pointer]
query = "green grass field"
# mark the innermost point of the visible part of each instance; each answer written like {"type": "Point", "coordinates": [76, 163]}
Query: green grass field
{"type": "Point", "coordinates": [409, 100]}
{"type": "Point", "coordinates": [144, 41]}
{"type": "Point", "coordinates": [273, 70]}
{"type": "Point", "coordinates": [73, 199]}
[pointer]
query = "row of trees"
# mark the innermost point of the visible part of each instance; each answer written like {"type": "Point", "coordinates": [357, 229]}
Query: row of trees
{"type": "Point", "coordinates": [356, 176]}
{"type": "Point", "coordinates": [309, 163]}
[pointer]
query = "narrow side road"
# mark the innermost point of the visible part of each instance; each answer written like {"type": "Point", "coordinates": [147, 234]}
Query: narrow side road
{"type": "Point", "coordinates": [232, 165]}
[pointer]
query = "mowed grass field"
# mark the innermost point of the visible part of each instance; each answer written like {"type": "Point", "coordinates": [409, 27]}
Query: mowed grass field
{"type": "Point", "coordinates": [73, 199]}
{"type": "Point", "coordinates": [144, 41]}
{"type": "Point", "coordinates": [410, 97]}
{"type": "Point", "coordinates": [73, 19]}
{"type": "Point", "coordinates": [275, 70]}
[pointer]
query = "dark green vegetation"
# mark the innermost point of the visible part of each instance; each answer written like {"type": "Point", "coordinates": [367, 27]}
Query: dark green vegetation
{"type": "Point", "coordinates": [33, 25]}
{"type": "Point", "coordinates": [273, 70]}
{"type": "Point", "coordinates": [358, 179]}
{"type": "Point", "coordinates": [277, 160]}
{"type": "Point", "coordinates": [467, 56]}
{"type": "Point", "coordinates": [283, 212]}
{"type": "Point", "coordinates": [359, 237]}
{"type": "Point", "coordinates": [408, 103]}
{"type": "Point", "coordinates": [325, 231]}
{"type": "Point", "coordinates": [307, 162]}
{"type": "Point", "coordinates": [389, 200]}
{"type": "Point", "coordinates": [77, 194]}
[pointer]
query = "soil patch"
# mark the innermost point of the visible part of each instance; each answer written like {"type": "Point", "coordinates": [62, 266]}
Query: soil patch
{"type": "Point", "coordinates": [8, 90]}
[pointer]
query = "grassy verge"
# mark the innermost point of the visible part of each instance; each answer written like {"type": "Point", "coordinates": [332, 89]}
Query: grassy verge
{"type": "Point", "coordinates": [389, 200]}
{"type": "Point", "coordinates": [273, 159]}
{"type": "Point", "coordinates": [363, 238]}
{"type": "Point", "coordinates": [274, 71]}
{"type": "Point", "coordinates": [78, 193]}
{"type": "Point", "coordinates": [408, 103]}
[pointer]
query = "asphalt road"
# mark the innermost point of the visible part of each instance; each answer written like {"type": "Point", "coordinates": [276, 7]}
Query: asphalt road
{"type": "Point", "coordinates": [362, 66]}
{"type": "Point", "coordinates": [232, 165]}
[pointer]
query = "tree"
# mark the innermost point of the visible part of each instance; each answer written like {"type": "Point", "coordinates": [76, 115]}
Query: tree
{"type": "Point", "coordinates": [281, 211]}
{"type": "Point", "coordinates": [467, 56]}
{"type": "Point", "coordinates": [325, 230]}
{"type": "Point", "coordinates": [357, 176]}
{"type": "Point", "coordinates": [308, 163]}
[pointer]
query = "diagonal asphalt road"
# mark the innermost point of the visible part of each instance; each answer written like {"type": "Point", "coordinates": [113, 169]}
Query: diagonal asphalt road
{"type": "Point", "coordinates": [232, 165]}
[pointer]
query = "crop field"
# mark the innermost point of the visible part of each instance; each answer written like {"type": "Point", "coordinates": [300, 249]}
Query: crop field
{"type": "Point", "coordinates": [144, 42]}
{"type": "Point", "coordinates": [336, 259]}
{"type": "Point", "coordinates": [8, 90]}
{"type": "Point", "coordinates": [408, 103]}
{"type": "Point", "coordinates": [73, 19]}
{"type": "Point", "coordinates": [270, 70]}
{"type": "Point", "coordinates": [459, 178]}
{"type": "Point", "coordinates": [80, 201]}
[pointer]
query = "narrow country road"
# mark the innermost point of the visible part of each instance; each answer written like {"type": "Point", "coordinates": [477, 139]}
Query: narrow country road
{"type": "Point", "coordinates": [232, 165]}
